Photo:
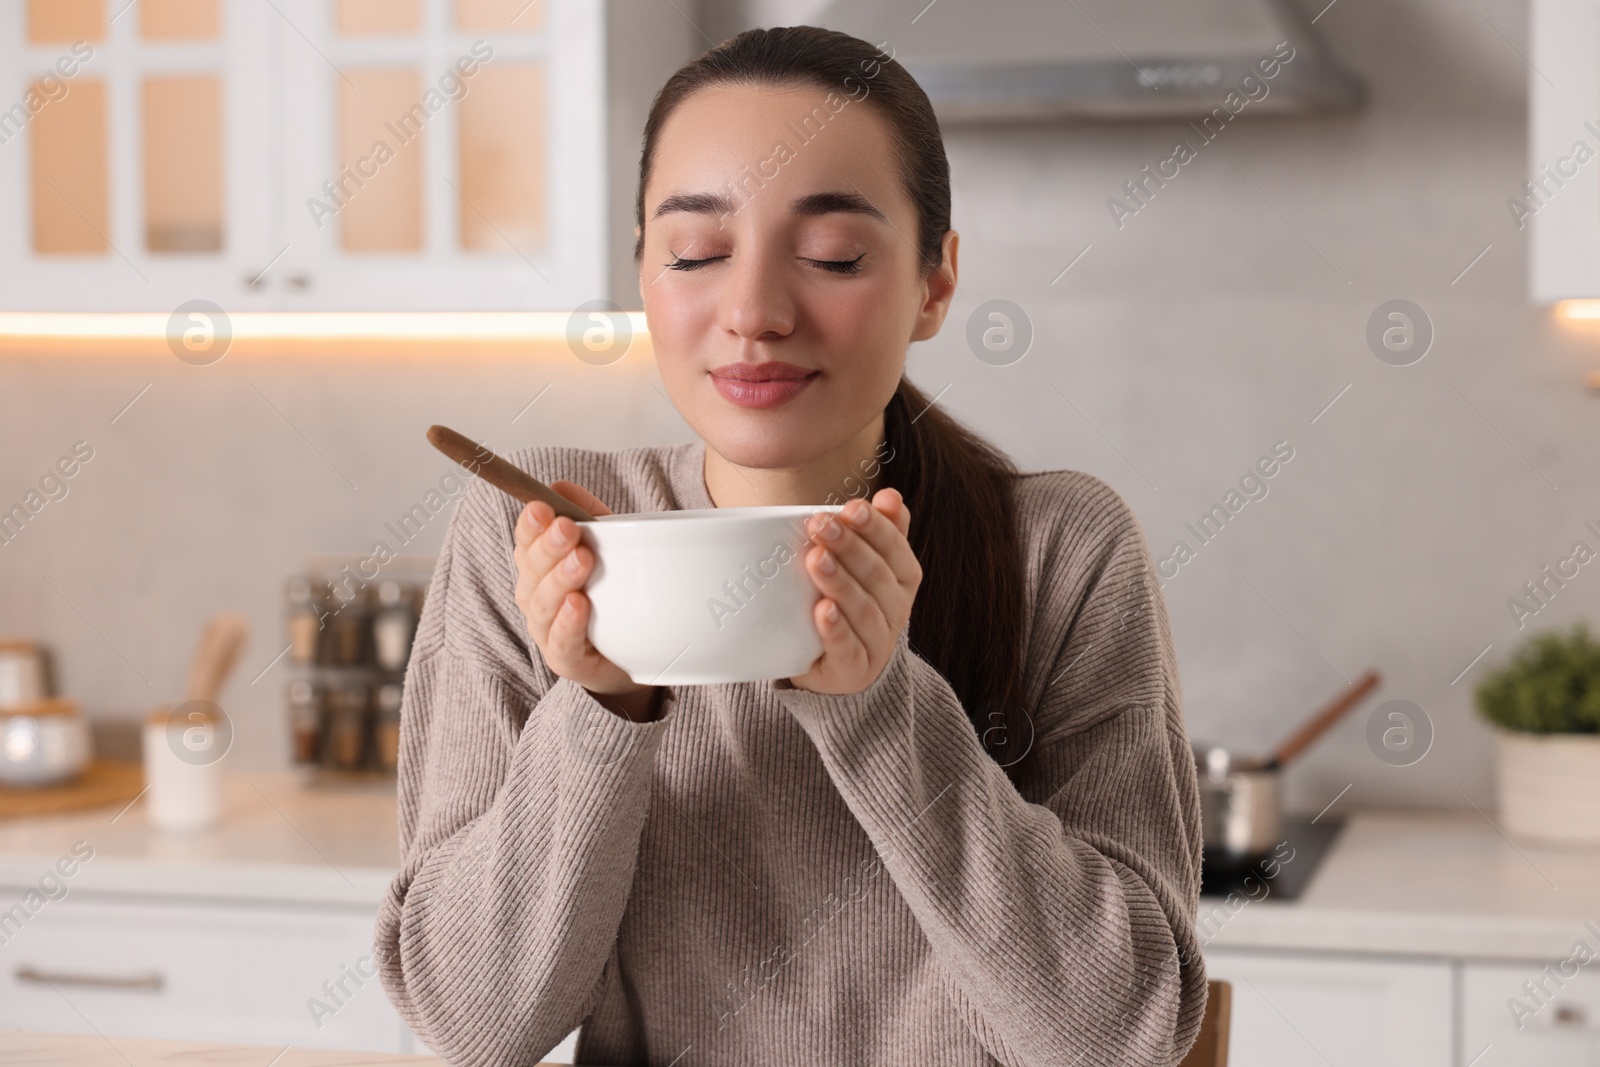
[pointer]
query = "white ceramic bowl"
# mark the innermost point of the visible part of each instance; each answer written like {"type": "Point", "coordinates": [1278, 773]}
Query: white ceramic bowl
{"type": "Point", "coordinates": [703, 597]}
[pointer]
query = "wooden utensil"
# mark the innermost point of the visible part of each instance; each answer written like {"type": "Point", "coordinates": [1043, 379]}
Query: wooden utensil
{"type": "Point", "coordinates": [501, 474]}
{"type": "Point", "coordinates": [1302, 738]}
{"type": "Point", "coordinates": [221, 643]}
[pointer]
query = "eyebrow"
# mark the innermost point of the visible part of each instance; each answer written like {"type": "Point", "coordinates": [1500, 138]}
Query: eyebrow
{"type": "Point", "coordinates": [808, 206]}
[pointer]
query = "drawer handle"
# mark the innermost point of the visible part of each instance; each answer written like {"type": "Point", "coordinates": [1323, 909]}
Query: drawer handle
{"type": "Point", "coordinates": [149, 981]}
{"type": "Point", "coordinates": [1571, 1015]}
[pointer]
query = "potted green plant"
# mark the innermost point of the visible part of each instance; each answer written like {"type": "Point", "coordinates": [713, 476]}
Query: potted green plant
{"type": "Point", "coordinates": [1545, 707]}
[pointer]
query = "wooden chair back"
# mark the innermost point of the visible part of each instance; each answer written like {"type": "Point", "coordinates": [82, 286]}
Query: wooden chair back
{"type": "Point", "coordinates": [1211, 1048]}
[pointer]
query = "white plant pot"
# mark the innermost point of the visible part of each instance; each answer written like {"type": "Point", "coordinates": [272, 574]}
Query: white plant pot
{"type": "Point", "coordinates": [1549, 786]}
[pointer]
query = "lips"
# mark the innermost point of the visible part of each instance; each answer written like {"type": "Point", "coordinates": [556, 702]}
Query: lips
{"type": "Point", "coordinates": [761, 385]}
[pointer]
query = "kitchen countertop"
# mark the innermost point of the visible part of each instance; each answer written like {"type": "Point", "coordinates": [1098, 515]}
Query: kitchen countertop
{"type": "Point", "coordinates": [1414, 883]}
{"type": "Point", "coordinates": [63, 1050]}
{"type": "Point", "coordinates": [1425, 883]}
{"type": "Point", "coordinates": [279, 840]}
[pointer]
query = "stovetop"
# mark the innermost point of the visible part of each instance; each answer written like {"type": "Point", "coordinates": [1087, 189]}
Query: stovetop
{"type": "Point", "coordinates": [1284, 873]}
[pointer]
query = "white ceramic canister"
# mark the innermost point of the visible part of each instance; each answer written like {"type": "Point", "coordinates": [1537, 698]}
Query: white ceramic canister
{"type": "Point", "coordinates": [43, 743]}
{"type": "Point", "coordinates": [22, 680]}
{"type": "Point", "coordinates": [183, 750]}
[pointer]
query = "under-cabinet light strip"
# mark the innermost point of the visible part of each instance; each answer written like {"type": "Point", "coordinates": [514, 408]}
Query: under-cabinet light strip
{"type": "Point", "coordinates": [510, 326]}
{"type": "Point", "coordinates": [1579, 309]}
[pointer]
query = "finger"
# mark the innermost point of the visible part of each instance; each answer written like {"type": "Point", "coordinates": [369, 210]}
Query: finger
{"type": "Point", "coordinates": [567, 574]}
{"type": "Point", "coordinates": [879, 531]}
{"type": "Point", "coordinates": [550, 547]}
{"type": "Point", "coordinates": [569, 631]}
{"type": "Point", "coordinates": [862, 559]}
{"type": "Point", "coordinates": [891, 503]}
{"type": "Point", "coordinates": [533, 521]}
{"type": "Point", "coordinates": [843, 651]}
{"type": "Point", "coordinates": [580, 496]}
{"type": "Point", "coordinates": [862, 610]}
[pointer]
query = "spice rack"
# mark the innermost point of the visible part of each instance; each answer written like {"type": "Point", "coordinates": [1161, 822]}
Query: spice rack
{"type": "Point", "coordinates": [350, 623]}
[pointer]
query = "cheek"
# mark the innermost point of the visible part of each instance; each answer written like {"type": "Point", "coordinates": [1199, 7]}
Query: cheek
{"type": "Point", "coordinates": [680, 321]}
{"type": "Point", "coordinates": [865, 327]}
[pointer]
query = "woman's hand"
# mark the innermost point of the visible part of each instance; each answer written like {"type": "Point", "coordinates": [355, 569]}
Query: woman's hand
{"type": "Point", "coordinates": [868, 577]}
{"type": "Point", "coordinates": [552, 567]}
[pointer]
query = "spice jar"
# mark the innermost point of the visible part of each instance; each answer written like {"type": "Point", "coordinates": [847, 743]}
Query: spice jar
{"type": "Point", "coordinates": [304, 619]}
{"type": "Point", "coordinates": [387, 733]}
{"type": "Point", "coordinates": [347, 725]}
{"type": "Point", "coordinates": [393, 626]}
{"type": "Point", "coordinates": [305, 720]}
{"type": "Point", "coordinates": [348, 626]}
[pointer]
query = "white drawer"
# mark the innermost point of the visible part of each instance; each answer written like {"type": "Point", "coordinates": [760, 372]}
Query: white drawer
{"type": "Point", "coordinates": [1312, 1011]}
{"type": "Point", "coordinates": [258, 975]}
{"type": "Point", "coordinates": [1522, 1015]}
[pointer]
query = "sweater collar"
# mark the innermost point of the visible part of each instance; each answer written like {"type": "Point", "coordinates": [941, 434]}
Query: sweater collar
{"type": "Point", "coordinates": [689, 477]}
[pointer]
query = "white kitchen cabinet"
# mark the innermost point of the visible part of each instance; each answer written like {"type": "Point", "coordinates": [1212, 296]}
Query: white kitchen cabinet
{"type": "Point", "coordinates": [1560, 207]}
{"type": "Point", "coordinates": [493, 199]}
{"type": "Point", "coordinates": [258, 931]}
{"type": "Point", "coordinates": [237, 973]}
{"type": "Point", "coordinates": [232, 155]}
{"type": "Point", "coordinates": [1560, 1027]}
{"type": "Point", "coordinates": [1310, 1011]}
{"type": "Point", "coordinates": [134, 174]}
{"type": "Point", "coordinates": [225, 972]}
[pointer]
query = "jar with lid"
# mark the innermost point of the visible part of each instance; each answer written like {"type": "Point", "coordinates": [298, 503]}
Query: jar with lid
{"type": "Point", "coordinates": [304, 619]}
{"type": "Point", "coordinates": [347, 725]}
{"type": "Point", "coordinates": [348, 626]}
{"type": "Point", "coordinates": [387, 733]}
{"type": "Point", "coordinates": [23, 679]}
{"type": "Point", "coordinates": [306, 720]}
{"type": "Point", "coordinates": [393, 626]}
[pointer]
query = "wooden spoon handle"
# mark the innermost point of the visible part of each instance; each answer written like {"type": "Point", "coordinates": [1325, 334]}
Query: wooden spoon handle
{"type": "Point", "coordinates": [497, 472]}
{"type": "Point", "coordinates": [221, 643]}
{"type": "Point", "coordinates": [1302, 738]}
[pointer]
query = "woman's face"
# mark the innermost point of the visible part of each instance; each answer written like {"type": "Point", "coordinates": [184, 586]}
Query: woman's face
{"type": "Point", "coordinates": [771, 256]}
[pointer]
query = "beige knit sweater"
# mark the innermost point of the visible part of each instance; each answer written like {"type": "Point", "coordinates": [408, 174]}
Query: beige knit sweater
{"type": "Point", "coordinates": [768, 876]}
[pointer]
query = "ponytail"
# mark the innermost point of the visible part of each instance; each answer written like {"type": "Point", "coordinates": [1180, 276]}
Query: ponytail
{"type": "Point", "coordinates": [967, 618]}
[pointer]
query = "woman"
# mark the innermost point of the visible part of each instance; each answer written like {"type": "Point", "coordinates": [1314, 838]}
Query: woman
{"type": "Point", "coordinates": [967, 835]}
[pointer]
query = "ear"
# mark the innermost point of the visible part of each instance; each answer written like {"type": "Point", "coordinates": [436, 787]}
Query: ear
{"type": "Point", "coordinates": [938, 289]}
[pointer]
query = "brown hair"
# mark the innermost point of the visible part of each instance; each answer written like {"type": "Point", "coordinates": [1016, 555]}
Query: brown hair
{"type": "Point", "coordinates": [967, 618]}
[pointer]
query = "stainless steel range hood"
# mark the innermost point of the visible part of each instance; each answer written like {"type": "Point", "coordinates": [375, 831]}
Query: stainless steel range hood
{"type": "Point", "coordinates": [985, 60]}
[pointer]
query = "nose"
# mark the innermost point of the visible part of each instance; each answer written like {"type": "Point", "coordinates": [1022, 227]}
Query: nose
{"type": "Point", "coordinates": [756, 303]}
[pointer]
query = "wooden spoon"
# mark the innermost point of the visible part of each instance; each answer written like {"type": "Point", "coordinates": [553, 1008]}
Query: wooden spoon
{"type": "Point", "coordinates": [501, 474]}
{"type": "Point", "coordinates": [220, 645]}
{"type": "Point", "coordinates": [1302, 738]}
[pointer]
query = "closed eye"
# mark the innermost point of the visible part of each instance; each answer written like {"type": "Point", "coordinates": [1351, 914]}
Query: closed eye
{"type": "Point", "coordinates": [679, 263]}
{"type": "Point", "coordinates": [839, 266]}
{"type": "Point", "coordinates": [836, 266]}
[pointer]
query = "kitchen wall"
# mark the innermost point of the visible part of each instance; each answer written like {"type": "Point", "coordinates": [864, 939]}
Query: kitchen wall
{"type": "Point", "coordinates": [1223, 318]}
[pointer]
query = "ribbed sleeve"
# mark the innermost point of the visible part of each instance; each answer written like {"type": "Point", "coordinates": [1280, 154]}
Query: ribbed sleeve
{"type": "Point", "coordinates": [520, 816]}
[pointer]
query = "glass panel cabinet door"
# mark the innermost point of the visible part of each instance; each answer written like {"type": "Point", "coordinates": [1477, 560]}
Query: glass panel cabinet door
{"type": "Point", "coordinates": [136, 163]}
{"type": "Point", "coordinates": [444, 154]}
{"type": "Point", "coordinates": [363, 155]}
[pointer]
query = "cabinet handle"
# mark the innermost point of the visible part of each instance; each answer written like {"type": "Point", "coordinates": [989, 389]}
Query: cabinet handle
{"type": "Point", "coordinates": [1570, 1015]}
{"type": "Point", "coordinates": [149, 981]}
